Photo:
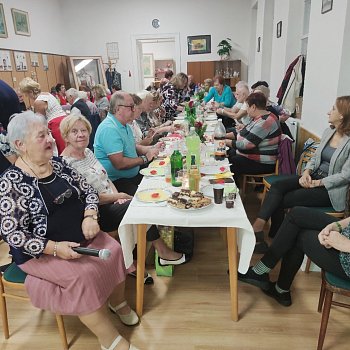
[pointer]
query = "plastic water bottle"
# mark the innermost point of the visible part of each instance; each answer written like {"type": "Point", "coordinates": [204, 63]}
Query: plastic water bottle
{"type": "Point", "coordinates": [219, 141]}
{"type": "Point", "coordinates": [193, 144]}
{"type": "Point", "coordinates": [176, 165]}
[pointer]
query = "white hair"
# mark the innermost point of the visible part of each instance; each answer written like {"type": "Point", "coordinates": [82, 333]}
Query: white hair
{"type": "Point", "coordinates": [21, 125]}
{"type": "Point", "coordinates": [82, 95]}
{"type": "Point", "coordinates": [72, 93]}
{"type": "Point", "coordinates": [144, 94]}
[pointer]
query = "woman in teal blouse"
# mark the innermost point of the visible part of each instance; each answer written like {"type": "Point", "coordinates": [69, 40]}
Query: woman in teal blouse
{"type": "Point", "coordinates": [221, 93]}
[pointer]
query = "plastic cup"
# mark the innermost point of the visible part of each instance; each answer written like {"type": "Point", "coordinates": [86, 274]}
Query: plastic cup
{"type": "Point", "coordinates": [218, 193]}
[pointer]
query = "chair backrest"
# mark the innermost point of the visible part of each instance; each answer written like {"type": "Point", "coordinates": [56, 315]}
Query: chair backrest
{"type": "Point", "coordinates": [305, 157]}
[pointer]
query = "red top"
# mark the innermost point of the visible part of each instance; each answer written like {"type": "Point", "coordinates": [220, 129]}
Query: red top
{"type": "Point", "coordinates": [63, 100]}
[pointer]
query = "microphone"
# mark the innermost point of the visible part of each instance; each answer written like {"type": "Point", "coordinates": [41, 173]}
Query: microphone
{"type": "Point", "coordinates": [103, 254]}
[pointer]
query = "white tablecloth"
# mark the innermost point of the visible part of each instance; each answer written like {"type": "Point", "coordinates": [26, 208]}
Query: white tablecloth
{"type": "Point", "coordinates": [217, 215]}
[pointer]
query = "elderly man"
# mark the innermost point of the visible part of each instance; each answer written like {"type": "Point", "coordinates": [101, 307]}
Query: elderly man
{"type": "Point", "coordinates": [115, 146]}
{"type": "Point", "coordinates": [76, 102]}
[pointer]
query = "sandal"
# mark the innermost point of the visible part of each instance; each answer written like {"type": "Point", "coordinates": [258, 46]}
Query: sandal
{"type": "Point", "coordinates": [116, 342]}
{"type": "Point", "coordinates": [130, 319]}
{"type": "Point", "coordinates": [147, 280]}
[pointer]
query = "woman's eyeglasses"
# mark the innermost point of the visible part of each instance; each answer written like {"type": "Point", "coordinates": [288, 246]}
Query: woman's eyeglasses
{"type": "Point", "coordinates": [60, 199]}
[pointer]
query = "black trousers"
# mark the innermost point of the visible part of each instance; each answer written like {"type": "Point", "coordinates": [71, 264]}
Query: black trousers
{"type": "Point", "coordinates": [287, 193]}
{"type": "Point", "coordinates": [298, 235]}
{"type": "Point", "coordinates": [128, 185]}
{"type": "Point", "coordinates": [241, 165]}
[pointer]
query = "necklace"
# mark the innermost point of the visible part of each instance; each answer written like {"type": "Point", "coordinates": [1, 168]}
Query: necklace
{"type": "Point", "coordinates": [30, 168]}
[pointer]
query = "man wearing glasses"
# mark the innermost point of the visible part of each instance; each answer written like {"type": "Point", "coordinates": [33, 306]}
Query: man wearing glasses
{"type": "Point", "coordinates": [115, 146]}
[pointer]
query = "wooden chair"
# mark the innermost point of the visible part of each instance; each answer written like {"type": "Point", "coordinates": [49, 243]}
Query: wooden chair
{"type": "Point", "coordinates": [256, 179]}
{"type": "Point", "coordinates": [330, 284]}
{"type": "Point", "coordinates": [13, 279]}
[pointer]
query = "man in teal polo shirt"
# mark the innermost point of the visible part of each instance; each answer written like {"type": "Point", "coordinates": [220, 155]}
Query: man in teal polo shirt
{"type": "Point", "coordinates": [115, 146]}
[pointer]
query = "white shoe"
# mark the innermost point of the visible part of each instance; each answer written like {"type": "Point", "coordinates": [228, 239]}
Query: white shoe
{"type": "Point", "coordinates": [116, 342]}
{"type": "Point", "coordinates": [130, 319]}
{"type": "Point", "coordinates": [164, 262]}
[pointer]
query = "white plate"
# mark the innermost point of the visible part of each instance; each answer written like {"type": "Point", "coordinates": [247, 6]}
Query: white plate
{"type": "Point", "coordinates": [166, 193]}
{"type": "Point", "coordinates": [214, 169]}
{"type": "Point", "coordinates": [190, 209]}
{"type": "Point", "coordinates": [159, 171]}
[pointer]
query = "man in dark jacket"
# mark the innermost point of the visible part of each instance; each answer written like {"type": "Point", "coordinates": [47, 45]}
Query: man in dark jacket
{"type": "Point", "coordinates": [74, 100]}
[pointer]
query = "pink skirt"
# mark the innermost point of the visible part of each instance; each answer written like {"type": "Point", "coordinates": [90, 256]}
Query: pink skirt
{"type": "Point", "coordinates": [75, 287]}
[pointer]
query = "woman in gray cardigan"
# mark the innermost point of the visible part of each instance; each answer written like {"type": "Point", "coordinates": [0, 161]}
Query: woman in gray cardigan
{"type": "Point", "coordinates": [324, 182]}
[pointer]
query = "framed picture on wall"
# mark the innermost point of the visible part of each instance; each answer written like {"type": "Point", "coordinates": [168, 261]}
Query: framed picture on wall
{"type": "Point", "coordinates": [20, 61]}
{"type": "Point", "coordinates": [34, 59]}
{"type": "Point", "coordinates": [86, 71]}
{"type": "Point", "coordinates": [5, 61]}
{"type": "Point", "coordinates": [199, 44]}
{"type": "Point", "coordinates": [148, 65]}
{"type": "Point", "coordinates": [45, 62]}
{"type": "Point", "coordinates": [3, 28]}
{"type": "Point", "coordinates": [21, 22]}
{"type": "Point", "coordinates": [327, 6]}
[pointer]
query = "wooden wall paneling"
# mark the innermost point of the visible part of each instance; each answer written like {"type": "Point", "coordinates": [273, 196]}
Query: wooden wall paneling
{"type": "Point", "coordinates": [41, 75]}
{"type": "Point", "coordinates": [51, 72]}
{"type": "Point", "coordinates": [59, 69]}
{"type": "Point", "coordinates": [65, 72]}
{"type": "Point", "coordinates": [7, 77]}
{"type": "Point", "coordinates": [17, 76]}
{"type": "Point", "coordinates": [207, 70]}
{"type": "Point", "coordinates": [194, 68]}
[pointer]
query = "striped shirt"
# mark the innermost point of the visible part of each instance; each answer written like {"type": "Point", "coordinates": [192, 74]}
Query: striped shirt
{"type": "Point", "coordinates": [259, 139]}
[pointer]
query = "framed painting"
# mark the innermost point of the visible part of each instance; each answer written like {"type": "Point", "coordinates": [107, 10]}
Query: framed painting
{"type": "Point", "coordinates": [3, 28]}
{"type": "Point", "coordinates": [20, 22]}
{"type": "Point", "coordinates": [5, 61]}
{"type": "Point", "coordinates": [45, 62]}
{"type": "Point", "coordinates": [20, 61]}
{"type": "Point", "coordinates": [327, 6]}
{"type": "Point", "coordinates": [34, 59]}
{"type": "Point", "coordinates": [148, 65]}
{"type": "Point", "coordinates": [86, 71]}
{"type": "Point", "coordinates": [199, 44]}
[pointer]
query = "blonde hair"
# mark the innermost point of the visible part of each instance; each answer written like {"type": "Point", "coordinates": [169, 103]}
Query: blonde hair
{"type": "Point", "coordinates": [179, 80]}
{"type": "Point", "coordinates": [68, 122]}
{"type": "Point", "coordinates": [100, 91]}
{"type": "Point", "coordinates": [29, 85]}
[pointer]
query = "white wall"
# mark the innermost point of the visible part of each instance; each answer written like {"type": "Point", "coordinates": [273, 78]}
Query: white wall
{"type": "Point", "coordinates": [119, 21]}
{"type": "Point", "coordinates": [324, 72]}
{"type": "Point", "coordinates": [46, 25]}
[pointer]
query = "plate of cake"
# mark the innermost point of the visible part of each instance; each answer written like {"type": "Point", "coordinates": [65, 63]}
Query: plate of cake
{"type": "Point", "coordinates": [188, 200]}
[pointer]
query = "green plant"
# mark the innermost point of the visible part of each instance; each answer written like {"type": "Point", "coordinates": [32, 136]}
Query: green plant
{"type": "Point", "coordinates": [224, 47]}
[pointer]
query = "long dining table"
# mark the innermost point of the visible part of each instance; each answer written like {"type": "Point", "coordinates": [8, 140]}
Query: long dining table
{"type": "Point", "coordinates": [232, 222]}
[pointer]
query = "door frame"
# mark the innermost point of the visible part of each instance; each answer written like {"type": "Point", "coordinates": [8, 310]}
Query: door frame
{"type": "Point", "coordinates": [137, 60]}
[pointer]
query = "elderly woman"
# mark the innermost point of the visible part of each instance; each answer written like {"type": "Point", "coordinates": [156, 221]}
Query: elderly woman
{"type": "Point", "coordinates": [256, 145]}
{"type": "Point", "coordinates": [50, 210]}
{"type": "Point", "coordinates": [298, 235]}
{"type": "Point", "coordinates": [220, 93]}
{"type": "Point", "coordinates": [101, 101]}
{"type": "Point", "coordinates": [76, 130]}
{"type": "Point", "coordinates": [324, 182]}
{"type": "Point", "coordinates": [47, 105]}
{"type": "Point", "coordinates": [171, 93]}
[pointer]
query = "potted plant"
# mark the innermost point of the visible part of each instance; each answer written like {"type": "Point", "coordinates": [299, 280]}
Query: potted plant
{"type": "Point", "coordinates": [224, 48]}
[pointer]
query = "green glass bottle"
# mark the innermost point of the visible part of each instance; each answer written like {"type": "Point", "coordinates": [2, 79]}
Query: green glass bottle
{"type": "Point", "coordinates": [176, 165]}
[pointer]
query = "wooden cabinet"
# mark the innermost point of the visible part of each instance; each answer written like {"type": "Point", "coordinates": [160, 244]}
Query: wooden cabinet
{"type": "Point", "coordinates": [230, 70]}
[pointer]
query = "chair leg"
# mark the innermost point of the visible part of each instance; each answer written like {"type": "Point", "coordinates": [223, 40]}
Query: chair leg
{"type": "Point", "coordinates": [322, 293]}
{"type": "Point", "coordinates": [3, 310]}
{"type": "Point", "coordinates": [244, 184]}
{"type": "Point", "coordinates": [307, 266]}
{"type": "Point", "coordinates": [62, 331]}
{"type": "Point", "coordinates": [264, 194]}
{"type": "Point", "coordinates": [325, 317]}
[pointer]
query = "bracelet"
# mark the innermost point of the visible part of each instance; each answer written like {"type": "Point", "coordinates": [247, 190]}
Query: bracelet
{"type": "Point", "coordinates": [55, 249]}
{"type": "Point", "coordinates": [144, 158]}
{"type": "Point", "coordinates": [339, 226]}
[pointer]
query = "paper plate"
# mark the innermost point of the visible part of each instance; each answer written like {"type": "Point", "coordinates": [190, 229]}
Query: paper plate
{"type": "Point", "coordinates": [153, 195]}
{"type": "Point", "coordinates": [214, 169]}
{"type": "Point", "coordinates": [159, 163]}
{"type": "Point", "coordinates": [159, 171]}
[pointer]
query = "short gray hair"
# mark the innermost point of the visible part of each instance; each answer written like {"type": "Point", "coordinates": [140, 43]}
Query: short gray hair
{"type": "Point", "coordinates": [117, 99]}
{"type": "Point", "coordinates": [72, 92]}
{"type": "Point", "coordinates": [20, 126]}
{"type": "Point", "coordinates": [82, 95]}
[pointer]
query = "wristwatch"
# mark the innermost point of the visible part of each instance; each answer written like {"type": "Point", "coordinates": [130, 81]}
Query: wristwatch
{"type": "Point", "coordinates": [144, 158]}
{"type": "Point", "coordinates": [92, 216]}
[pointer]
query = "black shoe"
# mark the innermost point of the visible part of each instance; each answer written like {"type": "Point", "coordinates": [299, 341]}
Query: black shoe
{"type": "Point", "coordinates": [182, 260]}
{"type": "Point", "coordinates": [260, 281]}
{"type": "Point", "coordinates": [146, 280]}
{"type": "Point", "coordinates": [284, 299]}
{"type": "Point", "coordinates": [261, 248]}
{"type": "Point", "coordinates": [259, 236]}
